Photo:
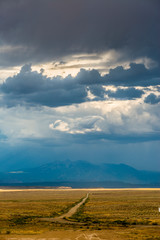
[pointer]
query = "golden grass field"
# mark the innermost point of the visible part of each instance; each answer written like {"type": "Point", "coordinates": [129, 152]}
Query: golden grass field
{"type": "Point", "coordinates": [107, 214]}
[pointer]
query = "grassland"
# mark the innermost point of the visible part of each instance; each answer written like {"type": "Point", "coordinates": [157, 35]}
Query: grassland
{"type": "Point", "coordinates": [20, 211]}
{"type": "Point", "coordinates": [113, 214]}
{"type": "Point", "coordinates": [136, 211]}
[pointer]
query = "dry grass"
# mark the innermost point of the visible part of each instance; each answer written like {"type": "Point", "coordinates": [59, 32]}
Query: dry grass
{"type": "Point", "coordinates": [118, 205]}
{"type": "Point", "coordinates": [111, 214]}
{"type": "Point", "coordinates": [20, 211]}
{"type": "Point", "coordinates": [134, 214]}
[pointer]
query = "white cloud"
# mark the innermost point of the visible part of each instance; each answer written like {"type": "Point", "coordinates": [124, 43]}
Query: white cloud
{"type": "Point", "coordinates": [60, 126]}
{"type": "Point", "coordinates": [122, 118]}
{"type": "Point", "coordinates": [77, 125]}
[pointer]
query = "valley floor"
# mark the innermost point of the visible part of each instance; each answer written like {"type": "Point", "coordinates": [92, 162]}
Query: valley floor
{"type": "Point", "coordinates": [106, 214]}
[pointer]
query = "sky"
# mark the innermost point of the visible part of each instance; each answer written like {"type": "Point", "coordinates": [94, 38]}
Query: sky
{"type": "Point", "coordinates": [79, 80]}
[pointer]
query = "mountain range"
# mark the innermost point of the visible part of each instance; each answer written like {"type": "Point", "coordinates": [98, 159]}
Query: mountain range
{"type": "Point", "coordinates": [81, 172]}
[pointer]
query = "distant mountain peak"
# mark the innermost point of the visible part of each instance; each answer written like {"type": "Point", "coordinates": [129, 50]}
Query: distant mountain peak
{"type": "Point", "coordinates": [67, 170]}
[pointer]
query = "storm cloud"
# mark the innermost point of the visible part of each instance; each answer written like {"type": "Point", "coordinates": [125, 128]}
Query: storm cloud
{"type": "Point", "coordinates": [152, 99]}
{"type": "Point", "coordinates": [129, 93]}
{"type": "Point", "coordinates": [40, 31]}
{"type": "Point", "coordinates": [135, 75]}
{"type": "Point", "coordinates": [32, 88]}
{"type": "Point", "coordinates": [35, 89]}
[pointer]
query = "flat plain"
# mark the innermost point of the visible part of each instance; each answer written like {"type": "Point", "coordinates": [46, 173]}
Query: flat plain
{"type": "Point", "coordinates": [107, 214]}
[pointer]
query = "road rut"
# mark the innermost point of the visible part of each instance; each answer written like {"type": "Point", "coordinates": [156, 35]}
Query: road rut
{"type": "Point", "coordinates": [73, 210]}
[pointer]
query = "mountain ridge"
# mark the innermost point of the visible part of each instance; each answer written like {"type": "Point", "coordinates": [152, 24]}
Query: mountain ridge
{"type": "Point", "coordinates": [81, 171]}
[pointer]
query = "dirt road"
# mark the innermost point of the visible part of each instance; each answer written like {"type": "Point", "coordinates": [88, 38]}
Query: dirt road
{"type": "Point", "coordinates": [73, 210]}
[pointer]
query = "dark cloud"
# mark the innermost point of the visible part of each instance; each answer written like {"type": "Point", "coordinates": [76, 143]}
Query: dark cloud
{"type": "Point", "coordinates": [33, 88]}
{"type": "Point", "coordinates": [89, 77]}
{"type": "Point", "coordinates": [25, 82]}
{"type": "Point", "coordinates": [97, 90]}
{"type": "Point", "coordinates": [128, 93]}
{"type": "Point", "coordinates": [136, 75]}
{"type": "Point", "coordinates": [38, 31]}
{"type": "Point", "coordinates": [152, 99]}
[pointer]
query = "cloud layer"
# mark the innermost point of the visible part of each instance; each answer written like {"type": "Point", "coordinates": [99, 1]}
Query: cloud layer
{"type": "Point", "coordinates": [33, 88]}
{"type": "Point", "coordinates": [39, 31]}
